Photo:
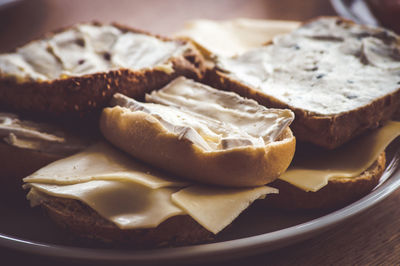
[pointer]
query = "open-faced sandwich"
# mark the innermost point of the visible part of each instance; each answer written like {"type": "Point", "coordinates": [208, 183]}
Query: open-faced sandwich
{"type": "Point", "coordinates": [179, 165]}
{"type": "Point", "coordinates": [78, 69]}
{"type": "Point", "coordinates": [342, 82]}
{"type": "Point", "coordinates": [204, 136]}
{"type": "Point", "coordinates": [52, 89]}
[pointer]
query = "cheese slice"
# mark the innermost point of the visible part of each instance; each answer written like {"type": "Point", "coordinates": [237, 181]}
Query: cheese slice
{"type": "Point", "coordinates": [215, 208]}
{"type": "Point", "coordinates": [230, 37]}
{"type": "Point", "coordinates": [134, 196]}
{"type": "Point", "coordinates": [127, 204]}
{"type": "Point", "coordinates": [312, 171]}
{"type": "Point", "coordinates": [101, 162]}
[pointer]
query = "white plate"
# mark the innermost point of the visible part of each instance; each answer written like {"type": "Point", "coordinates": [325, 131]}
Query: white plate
{"type": "Point", "coordinates": [356, 10]}
{"type": "Point", "coordinates": [255, 231]}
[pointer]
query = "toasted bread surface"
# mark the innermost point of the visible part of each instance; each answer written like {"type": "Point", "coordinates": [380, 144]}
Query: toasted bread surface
{"type": "Point", "coordinates": [326, 130]}
{"type": "Point", "coordinates": [77, 95]}
{"type": "Point", "coordinates": [338, 192]}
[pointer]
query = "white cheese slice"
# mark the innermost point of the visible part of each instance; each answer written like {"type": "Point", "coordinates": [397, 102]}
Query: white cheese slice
{"type": "Point", "coordinates": [101, 162]}
{"type": "Point", "coordinates": [312, 171]}
{"type": "Point", "coordinates": [127, 204]}
{"type": "Point", "coordinates": [230, 37]}
{"type": "Point", "coordinates": [134, 196]}
{"type": "Point", "coordinates": [214, 207]}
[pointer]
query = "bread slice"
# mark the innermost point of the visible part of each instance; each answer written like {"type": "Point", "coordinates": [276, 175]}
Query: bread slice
{"type": "Point", "coordinates": [27, 145]}
{"type": "Point", "coordinates": [338, 193]}
{"type": "Point", "coordinates": [83, 222]}
{"type": "Point", "coordinates": [76, 70]}
{"type": "Point", "coordinates": [339, 78]}
{"type": "Point", "coordinates": [199, 133]}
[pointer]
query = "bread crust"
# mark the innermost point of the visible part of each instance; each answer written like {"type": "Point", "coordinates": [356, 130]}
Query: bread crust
{"type": "Point", "coordinates": [337, 193]}
{"type": "Point", "coordinates": [83, 222]}
{"type": "Point", "coordinates": [80, 95]}
{"type": "Point", "coordinates": [143, 136]}
{"type": "Point", "coordinates": [328, 131]}
{"type": "Point", "coordinates": [17, 163]}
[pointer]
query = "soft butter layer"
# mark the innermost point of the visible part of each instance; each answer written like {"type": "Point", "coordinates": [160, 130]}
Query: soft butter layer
{"type": "Point", "coordinates": [133, 196]}
{"type": "Point", "coordinates": [210, 118]}
{"type": "Point", "coordinates": [312, 171]}
{"type": "Point", "coordinates": [86, 49]}
{"type": "Point", "coordinates": [325, 67]}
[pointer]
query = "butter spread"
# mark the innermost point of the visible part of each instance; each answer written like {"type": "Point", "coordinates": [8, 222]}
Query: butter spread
{"type": "Point", "coordinates": [133, 196]}
{"type": "Point", "coordinates": [312, 170]}
{"type": "Point", "coordinates": [38, 136]}
{"type": "Point", "coordinates": [325, 67]}
{"type": "Point", "coordinates": [231, 37]}
{"type": "Point", "coordinates": [210, 118]}
{"type": "Point", "coordinates": [86, 49]}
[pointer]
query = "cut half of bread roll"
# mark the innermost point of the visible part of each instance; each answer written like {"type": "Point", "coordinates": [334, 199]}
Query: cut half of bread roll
{"type": "Point", "coordinates": [76, 70]}
{"type": "Point", "coordinates": [203, 134]}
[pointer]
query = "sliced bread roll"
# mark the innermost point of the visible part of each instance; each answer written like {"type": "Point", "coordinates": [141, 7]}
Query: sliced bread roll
{"type": "Point", "coordinates": [339, 78]}
{"type": "Point", "coordinates": [76, 70]}
{"type": "Point", "coordinates": [199, 133]}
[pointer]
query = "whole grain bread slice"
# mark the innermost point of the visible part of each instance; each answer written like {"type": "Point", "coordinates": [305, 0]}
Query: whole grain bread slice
{"type": "Point", "coordinates": [338, 193]}
{"type": "Point", "coordinates": [333, 129]}
{"type": "Point", "coordinates": [85, 223]}
{"type": "Point", "coordinates": [76, 95]}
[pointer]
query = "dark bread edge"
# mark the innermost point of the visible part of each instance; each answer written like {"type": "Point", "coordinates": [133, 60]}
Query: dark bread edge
{"type": "Point", "coordinates": [17, 163]}
{"type": "Point", "coordinates": [84, 223]}
{"type": "Point", "coordinates": [81, 95]}
{"type": "Point", "coordinates": [338, 193]}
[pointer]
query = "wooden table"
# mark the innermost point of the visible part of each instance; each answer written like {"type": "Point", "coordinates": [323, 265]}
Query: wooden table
{"type": "Point", "coordinates": [370, 238]}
